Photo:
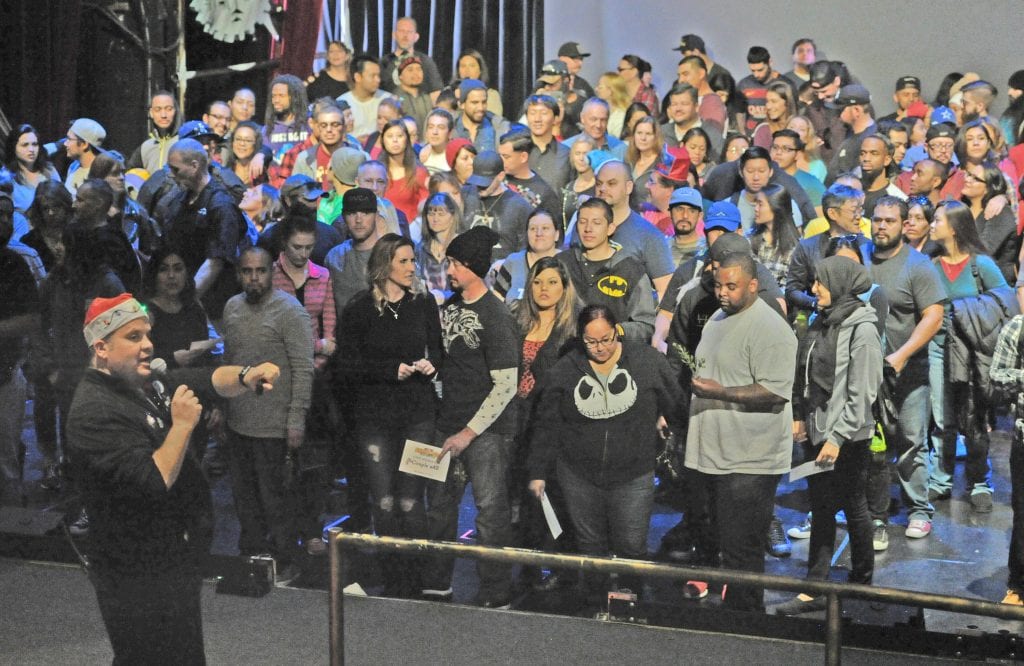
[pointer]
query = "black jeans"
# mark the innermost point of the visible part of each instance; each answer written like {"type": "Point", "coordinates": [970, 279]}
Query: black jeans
{"type": "Point", "coordinates": [740, 511]}
{"type": "Point", "coordinates": [153, 619]}
{"type": "Point", "coordinates": [841, 488]}
{"type": "Point", "coordinates": [1015, 561]}
{"type": "Point", "coordinates": [257, 467]}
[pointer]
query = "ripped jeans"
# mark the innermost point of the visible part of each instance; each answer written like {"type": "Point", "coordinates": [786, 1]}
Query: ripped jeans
{"type": "Point", "coordinates": [397, 498]}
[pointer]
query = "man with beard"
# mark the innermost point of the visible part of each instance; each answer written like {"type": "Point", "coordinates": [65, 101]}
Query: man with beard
{"type": "Point", "coordinates": [916, 298]}
{"type": "Point", "coordinates": [286, 119]}
{"type": "Point", "coordinates": [739, 439]}
{"type": "Point", "coordinates": [754, 86]}
{"type": "Point", "coordinates": [826, 80]}
{"type": "Point", "coordinates": [406, 35]}
{"type": "Point", "coordinates": [978, 98]}
{"type": "Point", "coordinates": [264, 323]}
{"type": "Point", "coordinates": [856, 111]}
{"type": "Point", "coordinates": [347, 262]}
{"type": "Point", "coordinates": [315, 161]}
{"type": "Point", "coordinates": [875, 161]}
{"type": "Point", "coordinates": [416, 102]}
{"type": "Point", "coordinates": [908, 91]}
{"type": "Point", "coordinates": [475, 122]}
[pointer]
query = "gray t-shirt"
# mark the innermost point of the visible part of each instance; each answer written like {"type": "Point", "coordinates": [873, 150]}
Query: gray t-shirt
{"type": "Point", "coordinates": [754, 346]}
{"type": "Point", "coordinates": [348, 273]}
{"type": "Point", "coordinates": [911, 284]}
{"type": "Point", "coordinates": [641, 239]}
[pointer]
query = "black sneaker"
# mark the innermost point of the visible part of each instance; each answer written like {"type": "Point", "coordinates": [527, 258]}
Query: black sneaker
{"type": "Point", "coordinates": [81, 525]}
{"type": "Point", "coordinates": [778, 544]}
{"type": "Point", "coordinates": [51, 478]}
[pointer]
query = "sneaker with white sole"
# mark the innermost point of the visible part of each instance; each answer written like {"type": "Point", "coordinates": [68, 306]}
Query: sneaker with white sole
{"type": "Point", "coordinates": [879, 536]}
{"type": "Point", "coordinates": [801, 531]}
{"type": "Point", "coordinates": [918, 529]}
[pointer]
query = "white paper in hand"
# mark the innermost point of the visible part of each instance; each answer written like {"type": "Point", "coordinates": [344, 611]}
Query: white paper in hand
{"type": "Point", "coordinates": [421, 459]}
{"type": "Point", "coordinates": [807, 469]}
{"type": "Point", "coordinates": [550, 517]}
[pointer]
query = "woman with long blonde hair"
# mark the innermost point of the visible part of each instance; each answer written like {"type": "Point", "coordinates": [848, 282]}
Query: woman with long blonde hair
{"type": "Point", "coordinates": [612, 88]}
{"type": "Point", "coordinates": [389, 345]}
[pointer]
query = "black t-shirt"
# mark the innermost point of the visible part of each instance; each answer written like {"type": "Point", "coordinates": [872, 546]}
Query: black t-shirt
{"type": "Point", "coordinates": [325, 86]}
{"type": "Point", "coordinates": [478, 337]}
{"type": "Point", "coordinates": [173, 331]}
{"type": "Point", "coordinates": [538, 194]}
{"type": "Point", "coordinates": [506, 213]}
{"type": "Point", "coordinates": [211, 227]}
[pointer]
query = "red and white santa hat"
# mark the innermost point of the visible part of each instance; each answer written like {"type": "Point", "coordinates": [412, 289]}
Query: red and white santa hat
{"type": "Point", "coordinates": [106, 315]}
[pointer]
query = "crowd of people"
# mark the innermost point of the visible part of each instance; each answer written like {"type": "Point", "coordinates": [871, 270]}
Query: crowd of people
{"type": "Point", "coordinates": [569, 298]}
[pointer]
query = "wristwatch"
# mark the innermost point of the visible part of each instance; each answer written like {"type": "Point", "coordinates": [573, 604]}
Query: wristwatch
{"type": "Point", "coordinates": [242, 373]}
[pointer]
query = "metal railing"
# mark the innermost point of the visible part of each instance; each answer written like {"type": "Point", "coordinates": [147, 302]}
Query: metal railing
{"type": "Point", "coordinates": [831, 590]}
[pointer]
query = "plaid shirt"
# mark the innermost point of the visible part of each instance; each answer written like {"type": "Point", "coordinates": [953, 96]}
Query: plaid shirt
{"type": "Point", "coordinates": [281, 172]}
{"type": "Point", "coordinates": [1006, 372]}
{"type": "Point", "coordinates": [319, 300]}
{"type": "Point", "coordinates": [647, 96]}
{"type": "Point", "coordinates": [776, 263]}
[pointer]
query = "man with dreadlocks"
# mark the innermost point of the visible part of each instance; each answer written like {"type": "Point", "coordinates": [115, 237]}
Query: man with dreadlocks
{"type": "Point", "coordinates": [286, 121]}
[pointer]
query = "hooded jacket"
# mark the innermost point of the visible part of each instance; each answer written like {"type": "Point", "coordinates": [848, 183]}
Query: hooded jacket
{"type": "Point", "coordinates": [621, 284]}
{"type": "Point", "coordinates": [608, 436]}
{"type": "Point", "coordinates": [847, 415]}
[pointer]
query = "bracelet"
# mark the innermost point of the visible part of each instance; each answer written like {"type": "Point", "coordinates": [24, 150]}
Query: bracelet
{"type": "Point", "coordinates": [242, 373]}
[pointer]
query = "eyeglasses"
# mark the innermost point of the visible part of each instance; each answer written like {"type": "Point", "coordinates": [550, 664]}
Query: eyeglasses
{"type": "Point", "coordinates": [244, 142]}
{"type": "Point", "coordinates": [782, 149]}
{"type": "Point", "coordinates": [970, 176]}
{"type": "Point", "coordinates": [941, 147]}
{"type": "Point", "coordinates": [596, 344]}
{"type": "Point", "coordinates": [626, 69]}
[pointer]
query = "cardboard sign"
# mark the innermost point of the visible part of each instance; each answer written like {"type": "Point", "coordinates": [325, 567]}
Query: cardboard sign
{"type": "Point", "coordinates": [421, 459]}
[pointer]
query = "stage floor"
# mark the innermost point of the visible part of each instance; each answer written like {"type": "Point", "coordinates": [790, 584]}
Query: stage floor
{"type": "Point", "coordinates": [965, 555]}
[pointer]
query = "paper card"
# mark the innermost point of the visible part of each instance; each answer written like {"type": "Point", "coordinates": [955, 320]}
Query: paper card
{"type": "Point", "coordinates": [550, 517]}
{"type": "Point", "coordinates": [204, 345]}
{"type": "Point", "coordinates": [807, 469]}
{"type": "Point", "coordinates": [421, 459]}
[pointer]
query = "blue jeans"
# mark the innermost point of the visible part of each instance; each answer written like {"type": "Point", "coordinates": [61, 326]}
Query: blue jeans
{"type": "Point", "coordinates": [609, 521]}
{"type": "Point", "coordinates": [949, 403]}
{"type": "Point", "coordinates": [908, 445]}
{"type": "Point", "coordinates": [486, 464]}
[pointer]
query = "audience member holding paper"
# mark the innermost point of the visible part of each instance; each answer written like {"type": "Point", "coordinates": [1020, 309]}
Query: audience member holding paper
{"type": "Point", "coordinates": [545, 317]}
{"type": "Point", "coordinates": [389, 345]}
{"type": "Point", "coordinates": [597, 426]}
{"type": "Point", "coordinates": [839, 372]}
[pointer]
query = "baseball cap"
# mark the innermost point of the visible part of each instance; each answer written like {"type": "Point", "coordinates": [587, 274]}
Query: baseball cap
{"type": "Point", "coordinates": [197, 129]}
{"type": "Point", "coordinates": [1017, 80]}
{"type": "Point", "coordinates": [301, 186]}
{"type": "Point", "coordinates": [850, 95]}
{"type": "Point", "coordinates": [690, 43]}
{"type": "Point", "coordinates": [905, 82]}
{"type": "Point", "coordinates": [687, 196]}
{"type": "Point", "coordinates": [943, 114]}
{"type": "Point", "coordinates": [822, 73]}
{"type": "Point", "coordinates": [359, 200]}
{"type": "Point", "coordinates": [90, 131]}
{"type": "Point", "coordinates": [722, 215]}
{"type": "Point", "coordinates": [917, 110]}
{"type": "Point", "coordinates": [486, 166]}
{"type": "Point", "coordinates": [940, 131]}
{"type": "Point", "coordinates": [345, 164]}
{"type": "Point", "coordinates": [553, 71]}
{"type": "Point", "coordinates": [572, 50]}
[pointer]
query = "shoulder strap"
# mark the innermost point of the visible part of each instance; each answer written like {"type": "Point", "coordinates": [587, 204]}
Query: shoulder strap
{"type": "Point", "coordinates": [977, 275]}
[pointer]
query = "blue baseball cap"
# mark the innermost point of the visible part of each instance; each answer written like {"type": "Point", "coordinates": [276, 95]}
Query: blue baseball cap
{"type": "Point", "coordinates": [722, 215]}
{"type": "Point", "coordinates": [685, 195]}
{"type": "Point", "coordinates": [943, 114]}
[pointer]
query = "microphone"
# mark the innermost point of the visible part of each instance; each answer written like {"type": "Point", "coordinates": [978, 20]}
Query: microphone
{"type": "Point", "coordinates": [158, 367]}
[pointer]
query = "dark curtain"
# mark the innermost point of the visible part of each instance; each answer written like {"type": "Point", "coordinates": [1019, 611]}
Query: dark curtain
{"type": "Point", "coordinates": [509, 33]}
{"type": "Point", "coordinates": [38, 84]}
{"type": "Point", "coordinates": [299, 35]}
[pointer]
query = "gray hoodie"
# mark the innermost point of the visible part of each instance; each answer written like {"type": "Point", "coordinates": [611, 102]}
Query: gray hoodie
{"type": "Point", "coordinates": [847, 414]}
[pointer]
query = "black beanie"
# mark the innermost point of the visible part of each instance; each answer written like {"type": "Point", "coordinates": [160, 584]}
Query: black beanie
{"type": "Point", "coordinates": [473, 248]}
